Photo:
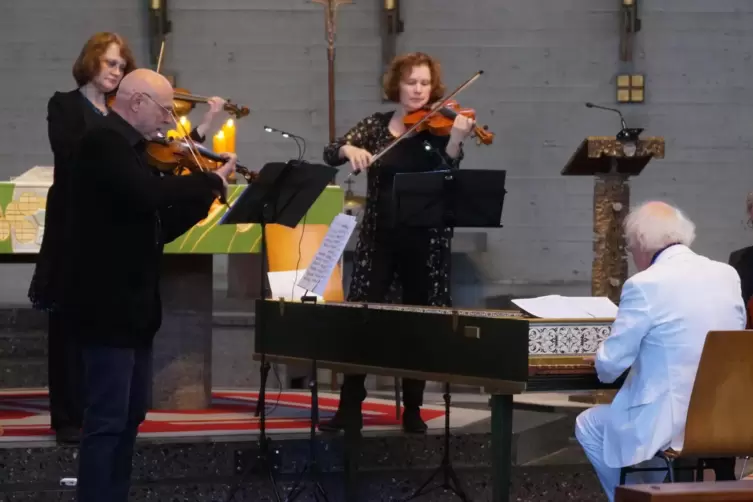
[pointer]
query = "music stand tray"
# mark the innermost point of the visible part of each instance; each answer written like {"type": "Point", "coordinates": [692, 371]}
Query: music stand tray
{"type": "Point", "coordinates": [282, 194]}
{"type": "Point", "coordinates": [468, 198]}
{"type": "Point", "coordinates": [471, 198]}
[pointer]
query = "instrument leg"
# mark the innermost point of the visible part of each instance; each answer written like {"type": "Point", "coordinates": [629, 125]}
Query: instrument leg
{"type": "Point", "coordinates": [312, 466]}
{"type": "Point", "coordinates": [451, 481]}
{"type": "Point", "coordinates": [501, 446]}
{"type": "Point", "coordinates": [263, 460]}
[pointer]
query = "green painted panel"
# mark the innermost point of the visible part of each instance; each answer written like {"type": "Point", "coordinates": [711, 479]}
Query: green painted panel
{"type": "Point", "coordinates": [23, 213]}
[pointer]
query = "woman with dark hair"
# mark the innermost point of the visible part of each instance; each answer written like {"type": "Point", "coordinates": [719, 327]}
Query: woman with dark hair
{"type": "Point", "coordinates": [102, 63]}
{"type": "Point", "coordinates": [418, 259]}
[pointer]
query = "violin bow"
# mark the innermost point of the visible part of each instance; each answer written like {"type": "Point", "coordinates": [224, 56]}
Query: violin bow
{"type": "Point", "coordinates": [161, 53]}
{"type": "Point", "coordinates": [433, 110]}
{"type": "Point", "coordinates": [180, 127]}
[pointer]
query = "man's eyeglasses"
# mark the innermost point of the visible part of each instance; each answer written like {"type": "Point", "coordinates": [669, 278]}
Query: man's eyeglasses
{"type": "Point", "coordinates": [167, 112]}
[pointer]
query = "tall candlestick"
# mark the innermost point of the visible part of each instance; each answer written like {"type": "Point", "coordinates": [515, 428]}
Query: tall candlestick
{"type": "Point", "coordinates": [229, 130]}
{"type": "Point", "coordinates": [185, 127]}
{"type": "Point", "coordinates": [218, 143]}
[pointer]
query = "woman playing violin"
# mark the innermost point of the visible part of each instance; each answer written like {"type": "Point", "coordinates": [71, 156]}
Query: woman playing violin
{"type": "Point", "coordinates": [102, 63]}
{"type": "Point", "coordinates": [413, 262]}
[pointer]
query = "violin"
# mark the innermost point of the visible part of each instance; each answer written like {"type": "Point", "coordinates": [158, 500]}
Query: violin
{"type": "Point", "coordinates": [184, 102]}
{"type": "Point", "coordinates": [440, 121]}
{"type": "Point", "coordinates": [170, 155]}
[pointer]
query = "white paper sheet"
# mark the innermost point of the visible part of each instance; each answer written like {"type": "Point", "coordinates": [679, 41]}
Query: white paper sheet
{"type": "Point", "coordinates": [328, 254]}
{"type": "Point", "coordinates": [597, 306]}
{"type": "Point", "coordinates": [568, 307]}
{"type": "Point", "coordinates": [282, 284]}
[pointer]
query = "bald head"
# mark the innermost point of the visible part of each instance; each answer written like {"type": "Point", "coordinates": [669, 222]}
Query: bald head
{"type": "Point", "coordinates": [144, 99]}
{"type": "Point", "coordinates": [144, 81]}
{"type": "Point", "coordinates": [653, 226]}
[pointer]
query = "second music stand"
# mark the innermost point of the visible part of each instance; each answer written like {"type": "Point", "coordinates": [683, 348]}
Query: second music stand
{"type": "Point", "coordinates": [282, 194]}
{"type": "Point", "coordinates": [448, 198]}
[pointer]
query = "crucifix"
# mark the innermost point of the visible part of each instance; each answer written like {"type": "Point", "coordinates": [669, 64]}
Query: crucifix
{"type": "Point", "coordinates": [159, 27]}
{"type": "Point", "coordinates": [630, 24]}
{"type": "Point", "coordinates": [391, 26]}
{"type": "Point", "coordinates": [330, 12]}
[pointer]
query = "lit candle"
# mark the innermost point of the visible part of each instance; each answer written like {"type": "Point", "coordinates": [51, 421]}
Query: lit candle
{"type": "Point", "coordinates": [185, 127]}
{"type": "Point", "coordinates": [218, 143]}
{"type": "Point", "coordinates": [229, 130]}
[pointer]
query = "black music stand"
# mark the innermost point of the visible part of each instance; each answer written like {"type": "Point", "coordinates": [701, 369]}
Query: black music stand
{"type": "Point", "coordinates": [282, 194]}
{"type": "Point", "coordinates": [449, 198]}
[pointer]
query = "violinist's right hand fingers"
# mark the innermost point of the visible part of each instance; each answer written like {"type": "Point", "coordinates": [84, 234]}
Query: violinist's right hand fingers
{"type": "Point", "coordinates": [361, 160]}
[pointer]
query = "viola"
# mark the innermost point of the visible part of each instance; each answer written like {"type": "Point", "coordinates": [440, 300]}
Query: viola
{"type": "Point", "coordinates": [184, 102]}
{"type": "Point", "coordinates": [440, 121]}
{"type": "Point", "coordinates": [170, 155]}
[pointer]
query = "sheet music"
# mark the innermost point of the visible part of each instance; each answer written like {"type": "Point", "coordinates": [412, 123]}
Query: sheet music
{"type": "Point", "coordinates": [320, 270]}
{"type": "Point", "coordinates": [282, 284]}
{"type": "Point", "coordinates": [564, 307]}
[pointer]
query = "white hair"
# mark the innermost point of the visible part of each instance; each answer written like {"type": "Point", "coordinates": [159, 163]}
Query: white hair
{"type": "Point", "coordinates": [655, 225]}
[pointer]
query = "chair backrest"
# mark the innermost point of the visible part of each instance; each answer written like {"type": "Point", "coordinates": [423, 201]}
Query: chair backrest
{"type": "Point", "coordinates": [721, 404]}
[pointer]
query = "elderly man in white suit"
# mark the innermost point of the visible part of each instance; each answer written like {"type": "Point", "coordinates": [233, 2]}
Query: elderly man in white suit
{"type": "Point", "coordinates": [665, 312]}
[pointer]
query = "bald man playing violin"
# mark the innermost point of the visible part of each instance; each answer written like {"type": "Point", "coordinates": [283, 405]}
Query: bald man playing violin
{"type": "Point", "coordinates": [122, 213]}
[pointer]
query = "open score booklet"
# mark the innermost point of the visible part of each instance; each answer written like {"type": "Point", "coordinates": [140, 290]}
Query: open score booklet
{"type": "Point", "coordinates": [568, 307]}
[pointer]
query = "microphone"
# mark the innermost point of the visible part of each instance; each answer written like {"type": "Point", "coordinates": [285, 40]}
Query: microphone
{"type": "Point", "coordinates": [295, 138]}
{"type": "Point", "coordinates": [622, 119]}
{"type": "Point", "coordinates": [627, 136]}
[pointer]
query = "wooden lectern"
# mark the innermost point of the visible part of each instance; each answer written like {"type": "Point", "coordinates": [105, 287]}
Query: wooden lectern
{"type": "Point", "coordinates": [612, 160]}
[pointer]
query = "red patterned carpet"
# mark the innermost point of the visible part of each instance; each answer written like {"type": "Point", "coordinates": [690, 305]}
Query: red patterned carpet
{"type": "Point", "coordinates": [24, 415]}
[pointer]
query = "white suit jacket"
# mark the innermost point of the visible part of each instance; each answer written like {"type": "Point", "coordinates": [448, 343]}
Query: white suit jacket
{"type": "Point", "coordinates": [664, 315]}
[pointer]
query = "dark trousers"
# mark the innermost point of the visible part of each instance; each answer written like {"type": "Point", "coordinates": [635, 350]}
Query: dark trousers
{"type": "Point", "coordinates": [405, 252]}
{"type": "Point", "coordinates": [117, 385]}
{"type": "Point", "coordinates": [64, 374]}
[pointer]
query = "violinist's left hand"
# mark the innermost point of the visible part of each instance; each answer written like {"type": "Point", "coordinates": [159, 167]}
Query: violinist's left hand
{"type": "Point", "coordinates": [461, 128]}
{"type": "Point", "coordinates": [215, 106]}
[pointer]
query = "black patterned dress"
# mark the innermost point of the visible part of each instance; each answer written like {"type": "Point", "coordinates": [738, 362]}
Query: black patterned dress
{"type": "Point", "coordinates": [410, 155]}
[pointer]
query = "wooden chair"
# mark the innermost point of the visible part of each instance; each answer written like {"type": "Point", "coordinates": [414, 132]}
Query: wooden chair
{"type": "Point", "coordinates": [720, 409]}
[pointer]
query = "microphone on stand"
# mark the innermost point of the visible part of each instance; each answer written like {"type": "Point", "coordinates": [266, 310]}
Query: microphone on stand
{"type": "Point", "coordinates": [622, 119]}
{"type": "Point", "coordinates": [627, 136]}
{"type": "Point", "coordinates": [294, 137]}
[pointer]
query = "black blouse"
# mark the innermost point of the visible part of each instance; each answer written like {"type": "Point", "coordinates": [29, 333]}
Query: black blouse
{"type": "Point", "coordinates": [410, 155]}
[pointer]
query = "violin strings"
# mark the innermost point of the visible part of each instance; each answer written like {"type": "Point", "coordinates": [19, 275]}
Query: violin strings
{"type": "Point", "coordinates": [189, 141]}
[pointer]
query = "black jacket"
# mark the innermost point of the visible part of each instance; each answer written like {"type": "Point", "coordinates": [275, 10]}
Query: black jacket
{"type": "Point", "coordinates": [121, 213]}
{"type": "Point", "coordinates": [69, 116]}
{"type": "Point", "coordinates": [742, 261]}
